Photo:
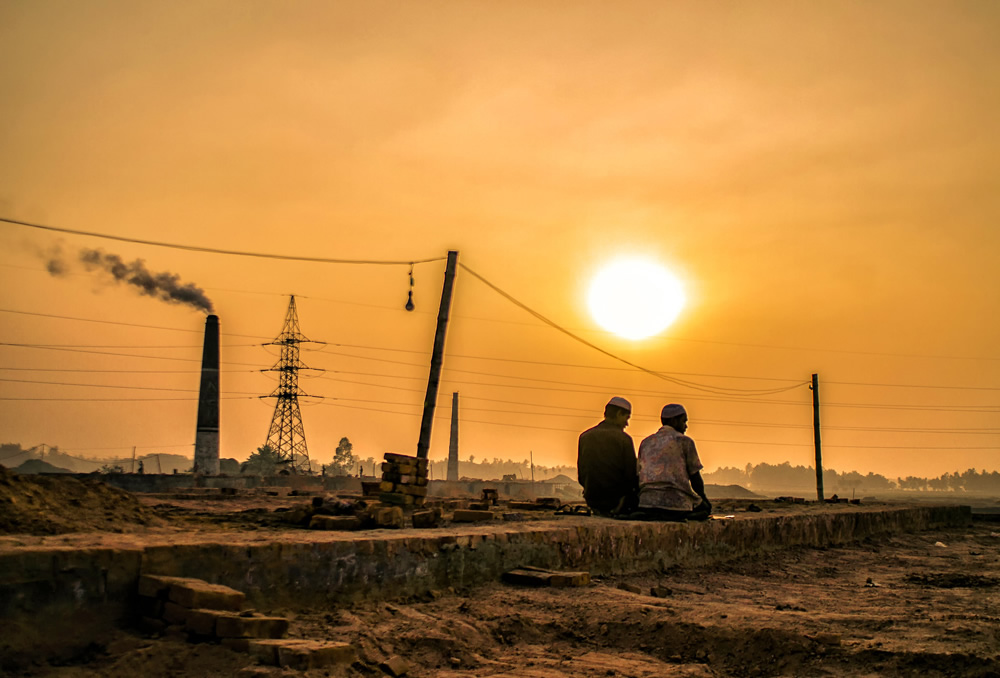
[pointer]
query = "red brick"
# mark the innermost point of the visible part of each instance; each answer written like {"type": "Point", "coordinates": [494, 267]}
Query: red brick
{"type": "Point", "coordinates": [236, 644]}
{"type": "Point", "coordinates": [425, 519]}
{"type": "Point", "coordinates": [174, 613]}
{"type": "Point", "coordinates": [470, 516]}
{"type": "Point", "coordinates": [234, 626]}
{"type": "Point", "coordinates": [195, 594]}
{"type": "Point", "coordinates": [202, 622]}
{"type": "Point", "coordinates": [313, 655]}
{"type": "Point", "coordinates": [158, 586]}
{"type": "Point", "coordinates": [342, 523]}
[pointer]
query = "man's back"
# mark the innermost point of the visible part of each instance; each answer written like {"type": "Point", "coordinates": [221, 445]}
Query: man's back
{"type": "Point", "coordinates": [606, 466]}
{"type": "Point", "coordinates": [667, 461]}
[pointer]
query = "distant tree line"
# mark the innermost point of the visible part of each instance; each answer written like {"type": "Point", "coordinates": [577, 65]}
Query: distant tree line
{"type": "Point", "coordinates": [785, 476]}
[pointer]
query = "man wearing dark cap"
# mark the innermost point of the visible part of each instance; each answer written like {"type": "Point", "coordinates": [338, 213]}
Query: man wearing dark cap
{"type": "Point", "coordinates": [605, 462]}
{"type": "Point", "coordinates": [670, 484]}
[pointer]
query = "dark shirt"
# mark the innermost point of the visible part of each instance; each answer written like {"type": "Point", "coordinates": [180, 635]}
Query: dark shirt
{"type": "Point", "coordinates": [605, 465]}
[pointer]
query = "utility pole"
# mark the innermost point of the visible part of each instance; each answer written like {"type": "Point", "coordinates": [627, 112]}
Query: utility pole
{"type": "Point", "coordinates": [437, 357]}
{"type": "Point", "coordinates": [453, 443]}
{"type": "Point", "coordinates": [133, 459]}
{"type": "Point", "coordinates": [819, 450]}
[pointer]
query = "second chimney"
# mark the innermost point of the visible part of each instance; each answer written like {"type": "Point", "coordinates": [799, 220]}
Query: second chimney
{"type": "Point", "coordinates": [206, 441]}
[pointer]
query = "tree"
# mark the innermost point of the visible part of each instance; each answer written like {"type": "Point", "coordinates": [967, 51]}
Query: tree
{"type": "Point", "coordinates": [344, 459]}
{"type": "Point", "coordinates": [263, 462]}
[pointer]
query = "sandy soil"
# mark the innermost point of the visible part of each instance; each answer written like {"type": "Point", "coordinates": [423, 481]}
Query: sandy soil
{"type": "Point", "coordinates": [925, 604]}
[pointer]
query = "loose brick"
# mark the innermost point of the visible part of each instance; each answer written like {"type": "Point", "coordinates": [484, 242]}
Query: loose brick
{"type": "Point", "coordinates": [631, 588]}
{"type": "Point", "coordinates": [470, 516]}
{"type": "Point", "coordinates": [174, 613]}
{"type": "Point", "coordinates": [202, 622]}
{"type": "Point", "coordinates": [390, 516]}
{"type": "Point", "coordinates": [313, 655]}
{"type": "Point", "coordinates": [149, 607]}
{"type": "Point", "coordinates": [399, 469]}
{"type": "Point", "coordinates": [413, 490]}
{"type": "Point", "coordinates": [233, 626]}
{"type": "Point", "coordinates": [397, 498]}
{"type": "Point", "coordinates": [564, 579]}
{"type": "Point", "coordinates": [424, 519]}
{"type": "Point", "coordinates": [202, 595]}
{"type": "Point", "coordinates": [342, 523]}
{"type": "Point", "coordinates": [527, 577]}
{"type": "Point", "coordinates": [660, 592]}
{"type": "Point", "coordinates": [395, 666]}
{"type": "Point", "coordinates": [236, 644]}
{"type": "Point", "coordinates": [158, 586]}
{"type": "Point", "coordinates": [265, 651]}
{"type": "Point", "coordinates": [394, 458]}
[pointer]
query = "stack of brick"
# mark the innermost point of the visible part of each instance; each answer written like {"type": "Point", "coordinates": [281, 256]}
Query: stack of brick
{"type": "Point", "coordinates": [181, 606]}
{"type": "Point", "coordinates": [404, 480]}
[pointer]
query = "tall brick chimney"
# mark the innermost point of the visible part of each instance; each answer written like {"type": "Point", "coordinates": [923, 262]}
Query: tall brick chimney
{"type": "Point", "coordinates": [206, 441]}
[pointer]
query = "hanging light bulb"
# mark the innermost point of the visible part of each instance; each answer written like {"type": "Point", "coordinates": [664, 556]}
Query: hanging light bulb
{"type": "Point", "coordinates": [409, 295]}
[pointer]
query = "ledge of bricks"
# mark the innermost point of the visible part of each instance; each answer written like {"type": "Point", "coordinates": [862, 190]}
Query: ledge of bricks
{"type": "Point", "coordinates": [75, 594]}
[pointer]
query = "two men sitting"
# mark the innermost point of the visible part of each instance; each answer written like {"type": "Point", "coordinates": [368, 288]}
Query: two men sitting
{"type": "Point", "coordinates": [663, 483]}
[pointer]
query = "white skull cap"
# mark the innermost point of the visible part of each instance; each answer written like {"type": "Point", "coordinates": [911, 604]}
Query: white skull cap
{"type": "Point", "coordinates": [671, 411]}
{"type": "Point", "coordinates": [618, 401]}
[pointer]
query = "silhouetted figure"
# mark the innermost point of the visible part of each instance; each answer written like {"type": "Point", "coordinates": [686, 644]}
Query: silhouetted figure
{"type": "Point", "coordinates": [605, 462]}
{"type": "Point", "coordinates": [670, 483]}
{"type": "Point", "coordinates": [141, 468]}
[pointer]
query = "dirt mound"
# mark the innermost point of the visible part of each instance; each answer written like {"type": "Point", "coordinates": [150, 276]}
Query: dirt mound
{"type": "Point", "coordinates": [729, 492]}
{"type": "Point", "coordinates": [33, 504]}
{"type": "Point", "coordinates": [39, 466]}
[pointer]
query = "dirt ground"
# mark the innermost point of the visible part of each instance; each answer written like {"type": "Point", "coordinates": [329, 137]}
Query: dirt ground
{"type": "Point", "coordinates": [924, 604]}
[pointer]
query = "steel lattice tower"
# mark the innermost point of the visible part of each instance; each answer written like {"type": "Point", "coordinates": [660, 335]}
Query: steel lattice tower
{"type": "Point", "coordinates": [287, 436]}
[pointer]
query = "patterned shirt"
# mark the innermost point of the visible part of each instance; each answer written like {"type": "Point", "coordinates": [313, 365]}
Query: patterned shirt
{"type": "Point", "coordinates": [667, 460]}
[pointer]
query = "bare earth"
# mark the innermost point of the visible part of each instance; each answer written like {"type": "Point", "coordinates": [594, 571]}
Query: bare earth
{"type": "Point", "coordinates": [925, 604]}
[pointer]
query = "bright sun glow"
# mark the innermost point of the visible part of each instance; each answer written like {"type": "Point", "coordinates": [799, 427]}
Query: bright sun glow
{"type": "Point", "coordinates": [635, 298]}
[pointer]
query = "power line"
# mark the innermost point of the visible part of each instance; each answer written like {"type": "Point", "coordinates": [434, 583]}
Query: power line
{"type": "Point", "coordinates": [96, 371]}
{"type": "Point", "coordinates": [121, 400]}
{"type": "Point", "coordinates": [212, 250]}
{"type": "Point", "coordinates": [188, 346]}
{"type": "Point", "coordinates": [117, 322]}
{"type": "Point", "coordinates": [108, 353]}
{"type": "Point", "coordinates": [134, 388]}
{"type": "Point", "coordinates": [659, 375]}
{"type": "Point", "coordinates": [957, 388]}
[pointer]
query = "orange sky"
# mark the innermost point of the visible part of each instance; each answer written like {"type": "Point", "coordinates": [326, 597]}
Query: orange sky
{"type": "Point", "coordinates": [822, 176]}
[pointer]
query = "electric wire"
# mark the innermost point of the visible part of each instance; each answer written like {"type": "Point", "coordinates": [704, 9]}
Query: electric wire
{"type": "Point", "coordinates": [118, 322]}
{"type": "Point", "coordinates": [213, 250]}
{"type": "Point", "coordinates": [134, 388]}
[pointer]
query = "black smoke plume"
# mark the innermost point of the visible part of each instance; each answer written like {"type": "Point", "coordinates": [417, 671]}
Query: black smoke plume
{"type": "Point", "coordinates": [163, 286]}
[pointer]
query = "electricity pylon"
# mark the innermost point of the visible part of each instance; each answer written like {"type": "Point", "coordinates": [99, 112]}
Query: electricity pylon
{"type": "Point", "coordinates": [287, 436]}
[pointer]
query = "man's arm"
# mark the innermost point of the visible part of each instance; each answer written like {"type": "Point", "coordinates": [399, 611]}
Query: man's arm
{"type": "Point", "coordinates": [698, 485]}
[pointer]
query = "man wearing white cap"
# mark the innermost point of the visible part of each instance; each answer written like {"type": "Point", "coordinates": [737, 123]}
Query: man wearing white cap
{"type": "Point", "coordinates": [670, 483]}
{"type": "Point", "coordinates": [605, 462]}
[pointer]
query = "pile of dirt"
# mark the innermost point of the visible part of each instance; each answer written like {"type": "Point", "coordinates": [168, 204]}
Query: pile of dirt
{"type": "Point", "coordinates": [39, 466]}
{"type": "Point", "coordinates": [33, 504]}
{"type": "Point", "coordinates": [730, 492]}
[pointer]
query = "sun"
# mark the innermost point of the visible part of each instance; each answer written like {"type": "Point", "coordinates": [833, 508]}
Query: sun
{"type": "Point", "coordinates": [635, 298]}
